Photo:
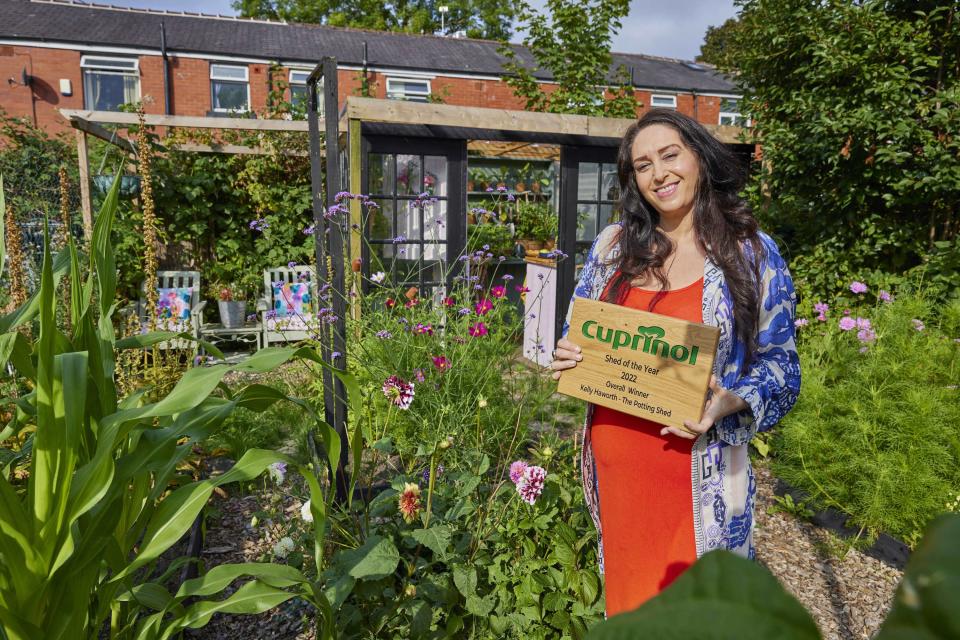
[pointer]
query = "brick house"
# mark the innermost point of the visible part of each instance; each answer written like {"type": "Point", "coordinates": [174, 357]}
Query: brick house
{"type": "Point", "coordinates": [59, 54]}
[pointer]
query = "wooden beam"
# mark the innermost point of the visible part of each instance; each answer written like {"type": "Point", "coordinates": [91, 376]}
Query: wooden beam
{"type": "Point", "coordinates": [104, 134]}
{"type": "Point", "coordinates": [193, 122]}
{"type": "Point", "coordinates": [86, 208]}
{"type": "Point", "coordinates": [404, 112]}
{"type": "Point", "coordinates": [233, 149]}
{"type": "Point", "coordinates": [355, 158]}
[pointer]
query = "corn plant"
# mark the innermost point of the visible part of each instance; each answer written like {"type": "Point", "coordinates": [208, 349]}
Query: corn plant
{"type": "Point", "coordinates": [102, 500]}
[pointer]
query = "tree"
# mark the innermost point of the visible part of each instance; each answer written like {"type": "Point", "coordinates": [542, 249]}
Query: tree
{"type": "Point", "coordinates": [489, 19]}
{"type": "Point", "coordinates": [857, 108]}
{"type": "Point", "coordinates": [572, 40]}
{"type": "Point", "coordinates": [716, 44]}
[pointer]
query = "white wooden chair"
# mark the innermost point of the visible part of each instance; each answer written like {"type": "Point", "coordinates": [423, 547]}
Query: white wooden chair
{"type": "Point", "coordinates": [176, 280]}
{"type": "Point", "coordinates": [291, 328]}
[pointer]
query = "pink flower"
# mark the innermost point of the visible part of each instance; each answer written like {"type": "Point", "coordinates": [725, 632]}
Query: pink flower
{"type": "Point", "coordinates": [478, 330]}
{"type": "Point", "coordinates": [412, 302]}
{"type": "Point", "coordinates": [858, 287]}
{"type": "Point", "coordinates": [530, 484]}
{"type": "Point", "coordinates": [498, 291]}
{"type": "Point", "coordinates": [821, 307]}
{"type": "Point", "coordinates": [866, 334]}
{"type": "Point", "coordinates": [863, 323]}
{"type": "Point", "coordinates": [885, 296]}
{"type": "Point", "coordinates": [801, 322]}
{"type": "Point", "coordinates": [522, 289]}
{"type": "Point", "coordinates": [418, 375]}
{"type": "Point", "coordinates": [423, 329]}
{"type": "Point", "coordinates": [441, 363]}
{"type": "Point", "coordinates": [448, 302]}
{"type": "Point", "coordinates": [391, 303]}
{"type": "Point", "coordinates": [516, 471]}
{"type": "Point", "coordinates": [483, 307]}
{"type": "Point", "coordinates": [409, 502]}
{"type": "Point", "coordinates": [918, 324]}
{"type": "Point", "coordinates": [846, 312]}
{"type": "Point", "coordinates": [847, 323]}
{"type": "Point", "coordinates": [398, 392]}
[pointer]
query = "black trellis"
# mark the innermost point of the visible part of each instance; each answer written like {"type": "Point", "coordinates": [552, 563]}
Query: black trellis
{"type": "Point", "coordinates": [330, 252]}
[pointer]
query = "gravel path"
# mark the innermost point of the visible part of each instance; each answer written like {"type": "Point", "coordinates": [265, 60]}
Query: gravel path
{"type": "Point", "coordinates": [848, 598]}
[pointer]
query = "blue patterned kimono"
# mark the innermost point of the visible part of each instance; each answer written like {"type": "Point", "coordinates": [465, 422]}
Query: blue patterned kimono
{"type": "Point", "coordinates": [720, 472]}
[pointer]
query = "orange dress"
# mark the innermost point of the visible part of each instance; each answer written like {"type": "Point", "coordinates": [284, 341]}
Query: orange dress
{"type": "Point", "coordinates": [646, 501]}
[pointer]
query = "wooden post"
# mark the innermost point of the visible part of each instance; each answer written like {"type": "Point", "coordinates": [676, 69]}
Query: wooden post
{"type": "Point", "coordinates": [354, 154]}
{"type": "Point", "coordinates": [84, 161]}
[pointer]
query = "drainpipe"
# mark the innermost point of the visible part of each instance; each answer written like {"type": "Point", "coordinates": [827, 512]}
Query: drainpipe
{"type": "Point", "coordinates": [696, 111]}
{"type": "Point", "coordinates": [166, 69]}
{"type": "Point", "coordinates": [366, 80]}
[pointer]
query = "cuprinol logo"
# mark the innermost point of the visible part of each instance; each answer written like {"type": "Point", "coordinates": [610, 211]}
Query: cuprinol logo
{"type": "Point", "coordinates": [649, 336]}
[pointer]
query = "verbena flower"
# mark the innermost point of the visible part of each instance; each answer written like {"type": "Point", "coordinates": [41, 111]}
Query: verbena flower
{"type": "Point", "coordinates": [441, 363]}
{"type": "Point", "coordinates": [507, 277]}
{"type": "Point", "coordinates": [399, 392]}
{"type": "Point", "coordinates": [530, 485]}
{"type": "Point", "coordinates": [418, 375]}
{"type": "Point", "coordinates": [847, 323]}
{"type": "Point", "coordinates": [858, 287]}
{"type": "Point", "coordinates": [409, 502]}
{"type": "Point", "coordinates": [308, 231]}
{"type": "Point", "coordinates": [426, 473]}
{"type": "Point", "coordinates": [918, 324]}
{"type": "Point", "coordinates": [516, 470]}
{"type": "Point", "coordinates": [383, 334]}
{"type": "Point", "coordinates": [291, 264]}
{"type": "Point", "coordinates": [498, 291]}
{"type": "Point", "coordinates": [478, 330]}
{"type": "Point", "coordinates": [483, 307]}
{"type": "Point", "coordinates": [277, 471]}
{"type": "Point", "coordinates": [463, 311]}
{"type": "Point", "coordinates": [259, 224]}
{"type": "Point", "coordinates": [378, 277]}
{"type": "Point", "coordinates": [305, 512]}
{"type": "Point", "coordinates": [801, 322]}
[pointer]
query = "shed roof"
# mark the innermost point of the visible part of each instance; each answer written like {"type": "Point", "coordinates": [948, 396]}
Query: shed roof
{"type": "Point", "coordinates": [70, 22]}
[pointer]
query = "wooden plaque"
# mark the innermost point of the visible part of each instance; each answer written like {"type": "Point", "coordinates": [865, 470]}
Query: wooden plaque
{"type": "Point", "coordinates": [641, 363]}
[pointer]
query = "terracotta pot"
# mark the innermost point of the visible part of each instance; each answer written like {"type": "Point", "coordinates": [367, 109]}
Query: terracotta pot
{"type": "Point", "coordinates": [535, 187]}
{"type": "Point", "coordinates": [521, 186]}
{"type": "Point", "coordinates": [550, 244]}
{"type": "Point", "coordinates": [470, 185]}
{"type": "Point", "coordinates": [472, 218]}
{"type": "Point", "coordinates": [531, 245]}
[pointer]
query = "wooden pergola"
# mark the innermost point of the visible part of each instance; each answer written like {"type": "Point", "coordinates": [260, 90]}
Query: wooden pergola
{"type": "Point", "coordinates": [95, 123]}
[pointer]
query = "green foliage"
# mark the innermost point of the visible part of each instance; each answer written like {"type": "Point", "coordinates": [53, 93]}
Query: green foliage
{"type": "Point", "coordinates": [536, 220]}
{"type": "Point", "coordinates": [856, 104]}
{"type": "Point", "coordinates": [741, 599]}
{"type": "Point", "coordinates": [477, 563]}
{"type": "Point", "coordinates": [98, 496]}
{"type": "Point", "coordinates": [488, 19]}
{"type": "Point", "coordinates": [716, 44]}
{"type": "Point", "coordinates": [30, 159]}
{"type": "Point", "coordinates": [874, 432]}
{"type": "Point", "coordinates": [571, 39]}
{"type": "Point", "coordinates": [496, 237]}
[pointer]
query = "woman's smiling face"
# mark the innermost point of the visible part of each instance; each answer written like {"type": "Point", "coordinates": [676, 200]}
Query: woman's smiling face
{"type": "Point", "coordinates": [666, 170]}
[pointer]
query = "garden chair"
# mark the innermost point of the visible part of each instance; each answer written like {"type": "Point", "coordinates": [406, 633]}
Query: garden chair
{"type": "Point", "coordinates": [179, 307]}
{"type": "Point", "coordinates": [289, 306]}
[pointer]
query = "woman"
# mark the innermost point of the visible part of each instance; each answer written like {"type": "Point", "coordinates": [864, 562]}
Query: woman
{"type": "Point", "coordinates": [687, 246]}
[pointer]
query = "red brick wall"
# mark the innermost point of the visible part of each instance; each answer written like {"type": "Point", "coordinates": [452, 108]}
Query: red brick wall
{"type": "Point", "coordinates": [190, 87]}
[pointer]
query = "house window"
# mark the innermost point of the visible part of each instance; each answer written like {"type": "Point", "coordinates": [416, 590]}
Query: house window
{"type": "Point", "coordinates": [298, 87]}
{"type": "Point", "coordinates": [665, 101]}
{"type": "Point", "coordinates": [412, 89]}
{"type": "Point", "coordinates": [229, 87]}
{"type": "Point", "coordinates": [730, 113]}
{"type": "Point", "coordinates": [109, 82]}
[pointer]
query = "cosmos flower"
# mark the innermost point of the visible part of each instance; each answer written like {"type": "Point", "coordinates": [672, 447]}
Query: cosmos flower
{"type": "Point", "coordinates": [478, 330]}
{"type": "Point", "coordinates": [516, 470]}
{"type": "Point", "coordinates": [398, 392]}
{"type": "Point", "coordinates": [378, 277]}
{"type": "Point", "coordinates": [441, 363]}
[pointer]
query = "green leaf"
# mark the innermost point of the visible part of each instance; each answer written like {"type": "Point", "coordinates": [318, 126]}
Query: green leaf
{"type": "Point", "coordinates": [253, 597]}
{"type": "Point", "coordinates": [421, 618]}
{"type": "Point", "coordinates": [377, 558]}
{"type": "Point", "coordinates": [436, 538]}
{"type": "Point", "coordinates": [465, 577]}
{"type": "Point", "coordinates": [925, 606]}
{"type": "Point", "coordinates": [221, 576]}
{"type": "Point", "coordinates": [480, 607]}
{"type": "Point", "coordinates": [739, 598]}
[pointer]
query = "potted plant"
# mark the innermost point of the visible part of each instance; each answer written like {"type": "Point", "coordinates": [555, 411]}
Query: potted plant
{"type": "Point", "coordinates": [232, 301]}
{"type": "Point", "coordinates": [536, 225]}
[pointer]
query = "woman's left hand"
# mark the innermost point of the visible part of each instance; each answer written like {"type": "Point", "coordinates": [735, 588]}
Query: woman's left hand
{"type": "Point", "coordinates": [721, 404]}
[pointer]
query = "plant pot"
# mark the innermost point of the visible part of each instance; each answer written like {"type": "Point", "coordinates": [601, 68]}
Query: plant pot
{"type": "Point", "coordinates": [470, 185]}
{"type": "Point", "coordinates": [129, 185]}
{"type": "Point", "coordinates": [472, 218]}
{"type": "Point", "coordinates": [232, 313]}
{"type": "Point", "coordinates": [535, 187]}
{"type": "Point", "coordinates": [521, 187]}
{"type": "Point", "coordinates": [550, 244]}
{"type": "Point", "coordinates": [531, 245]}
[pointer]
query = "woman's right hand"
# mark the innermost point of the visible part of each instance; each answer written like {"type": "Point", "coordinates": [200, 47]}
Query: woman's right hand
{"type": "Point", "coordinates": [565, 356]}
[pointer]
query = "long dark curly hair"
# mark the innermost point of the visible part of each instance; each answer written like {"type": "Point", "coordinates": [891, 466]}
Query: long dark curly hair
{"type": "Point", "coordinates": [722, 220]}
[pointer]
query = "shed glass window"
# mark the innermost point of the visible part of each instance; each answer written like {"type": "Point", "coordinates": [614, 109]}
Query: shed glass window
{"type": "Point", "coordinates": [229, 87]}
{"type": "Point", "coordinates": [413, 89]}
{"type": "Point", "coordinates": [109, 82]}
{"type": "Point", "coordinates": [665, 101]}
{"type": "Point", "coordinates": [730, 113]}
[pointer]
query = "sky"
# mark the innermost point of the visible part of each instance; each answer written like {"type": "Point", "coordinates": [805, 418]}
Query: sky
{"type": "Point", "coordinates": [672, 28]}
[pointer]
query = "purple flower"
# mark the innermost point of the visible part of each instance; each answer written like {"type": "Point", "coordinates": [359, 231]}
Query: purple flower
{"type": "Point", "coordinates": [507, 277]}
{"type": "Point", "coordinates": [418, 374]}
{"type": "Point", "coordinates": [847, 323]}
{"type": "Point", "coordinates": [335, 354]}
{"type": "Point", "coordinates": [866, 334]}
{"type": "Point", "coordinates": [383, 334]}
{"type": "Point", "coordinates": [531, 484]}
{"type": "Point", "coordinates": [885, 296]}
{"type": "Point", "coordinates": [918, 324]}
{"type": "Point", "coordinates": [291, 264]}
{"type": "Point", "coordinates": [308, 231]}
{"type": "Point", "coordinates": [510, 198]}
{"type": "Point", "coordinates": [821, 307]}
{"type": "Point", "coordinates": [463, 312]}
{"type": "Point", "coordinates": [863, 323]}
{"type": "Point", "coordinates": [426, 473]}
{"type": "Point", "coordinates": [801, 322]}
{"type": "Point", "coordinates": [399, 239]}
{"type": "Point", "coordinates": [858, 287]}
{"type": "Point", "coordinates": [516, 471]}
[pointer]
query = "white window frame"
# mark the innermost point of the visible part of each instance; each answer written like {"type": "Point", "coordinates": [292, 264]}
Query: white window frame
{"type": "Point", "coordinates": [294, 79]}
{"type": "Point", "coordinates": [663, 96]}
{"type": "Point", "coordinates": [403, 95]}
{"type": "Point", "coordinates": [224, 78]}
{"type": "Point", "coordinates": [731, 115]}
{"type": "Point", "coordinates": [108, 65]}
